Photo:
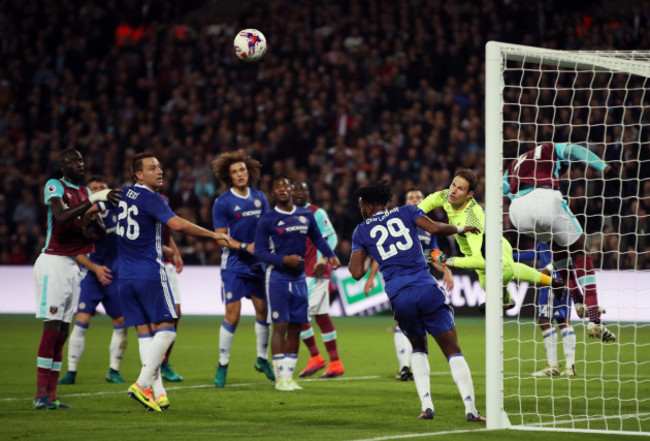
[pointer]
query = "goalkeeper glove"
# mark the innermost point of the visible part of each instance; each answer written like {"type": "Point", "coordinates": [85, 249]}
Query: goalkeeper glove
{"type": "Point", "coordinates": [437, 256]}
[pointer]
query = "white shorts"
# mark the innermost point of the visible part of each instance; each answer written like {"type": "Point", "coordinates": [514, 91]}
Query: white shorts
{"type": "Point", "coordinates": [56, 282]}
{"type": "Point", "coordinates": [319, 295]}
{"type": "Point", "coordinates": [172, 278]}
{"type": "Point", "coordinates": [544, 215]}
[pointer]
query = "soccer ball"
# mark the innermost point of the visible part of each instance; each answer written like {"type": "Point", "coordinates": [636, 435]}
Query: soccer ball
{"type": "Point", "coordinates": [250, 45]}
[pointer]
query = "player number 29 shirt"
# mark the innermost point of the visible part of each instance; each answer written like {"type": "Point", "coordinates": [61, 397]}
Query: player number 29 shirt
{"type": "Point", "coordinates": [391, 238]}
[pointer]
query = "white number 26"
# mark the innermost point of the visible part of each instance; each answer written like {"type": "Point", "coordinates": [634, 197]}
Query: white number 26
{"type": "Point", "coordinates": [132, 229]}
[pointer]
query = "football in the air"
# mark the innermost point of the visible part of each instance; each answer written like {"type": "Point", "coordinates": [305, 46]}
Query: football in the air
{"type": "Point", "coordinates": [250, 45]}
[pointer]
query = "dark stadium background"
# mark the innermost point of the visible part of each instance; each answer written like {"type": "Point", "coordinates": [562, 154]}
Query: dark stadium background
{"type": "Point", "coordinates": [350, 91]}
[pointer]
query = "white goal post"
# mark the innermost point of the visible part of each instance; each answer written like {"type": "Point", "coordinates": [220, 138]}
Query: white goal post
{"type": "Point", "coordinates": [609, 394]}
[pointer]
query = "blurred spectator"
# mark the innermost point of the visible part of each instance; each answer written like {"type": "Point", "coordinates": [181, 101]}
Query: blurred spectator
{"type": "Point", "coordinates": [349, 92]}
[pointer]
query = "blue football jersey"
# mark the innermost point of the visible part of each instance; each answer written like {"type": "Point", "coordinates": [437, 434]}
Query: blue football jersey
{"type": "Point", "coordinates": [141, 214]}
{"type": "Point", "coordinates": [391, 238]}
{"type": "Point", "coordinates": [427, 240]}
{"type": "Point", "coordinates": [106, 248]}
{"type": "Point", "coordinates": [240, 215]}
{"type": "Point", "coordinates": [280, 233]}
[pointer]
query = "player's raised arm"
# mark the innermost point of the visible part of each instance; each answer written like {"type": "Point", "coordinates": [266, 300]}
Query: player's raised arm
{"type": "Point", "coordinates": [434, 200]}
{"type": "Point", "coordinates": [575, 152]}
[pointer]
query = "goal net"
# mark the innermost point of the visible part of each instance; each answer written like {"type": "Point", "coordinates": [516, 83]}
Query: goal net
{"type": "Point", "coordinates": [599, 101]}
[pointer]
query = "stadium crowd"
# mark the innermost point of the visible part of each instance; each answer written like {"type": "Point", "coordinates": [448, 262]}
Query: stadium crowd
{"type": "Point", "coordinates": [350, 91]}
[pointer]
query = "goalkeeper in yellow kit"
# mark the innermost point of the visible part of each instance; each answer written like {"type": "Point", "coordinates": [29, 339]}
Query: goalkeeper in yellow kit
{"type": "Point", "coordinates": [462, 209]}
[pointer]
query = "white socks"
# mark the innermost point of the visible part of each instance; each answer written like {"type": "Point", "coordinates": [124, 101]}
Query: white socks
{"type": "Point", "coordinates": [569, 345]}
{"type": "Point", "coordinates": [76, 345]}
{"type": "Point", "coordinates": [152, 354]}
{"type": "Point", "coordinates": [278, 367]}
{"type": "Point", "coordinates": [463, 379]}
{"type": "Point", "coordinates": [550, 345]}
{"type": "Point", "coordinates": [289, 365]}
{"type": "Point", "coordinates": [117, 347]}
{"type": "Point", "coordinates": [421, 372]}
{"type": "Point", "coordinates": [403, 348]}
{"type": "Point", "coordinates": [226, 335]}
{"type": "Point", "coordinates": [262, 334]}
{"type": "Point", "coordinates": [283, 366]}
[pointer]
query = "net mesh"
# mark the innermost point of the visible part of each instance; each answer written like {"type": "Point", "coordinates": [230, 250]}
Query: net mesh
{"type": "Point", "coordinates": [601, 101]}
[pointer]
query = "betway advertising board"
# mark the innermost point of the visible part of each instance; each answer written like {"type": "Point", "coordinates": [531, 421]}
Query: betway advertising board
{"type": "Point", "coordinates": [624, 294]}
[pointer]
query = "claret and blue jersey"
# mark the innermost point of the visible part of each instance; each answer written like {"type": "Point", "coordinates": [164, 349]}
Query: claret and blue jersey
{"type": "Point", "coordinates": [543, 166]}
{"type": "Point", "coordinates": [391, 238]}
{"type": "Point", "coordinates": [240, 216]}
{"type": "Point", "coordinates": [65, 239]}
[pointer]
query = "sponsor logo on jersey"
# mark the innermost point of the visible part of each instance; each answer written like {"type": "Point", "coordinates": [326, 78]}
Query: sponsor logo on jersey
{"type": "Point", "coordinates": [248, 213]}
{"type": "Point", "coordinates": [237, 208]}
{"type": "Point", "coordinates": [301, 228]}
{"type": "Point", "coordinates": [257, 203]}
{"type": "Point", "coordinates": [302, 219]}
{"type": "Point", "coordinates": [51, 188]}
{"type": "Point", "coordinates": [280, 223]}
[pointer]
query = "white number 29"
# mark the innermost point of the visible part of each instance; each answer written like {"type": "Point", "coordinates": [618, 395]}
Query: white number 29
{"type": "Point", "coordinates": [394, 228]}
{"type": "Point", "coordinates": [132, 229]}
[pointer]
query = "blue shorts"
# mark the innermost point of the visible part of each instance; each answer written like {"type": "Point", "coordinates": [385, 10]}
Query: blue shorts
{"type": "Point", "coordinates": [235, 286]}
{"type": "Point", "coordinates": [93, 292]}
{"type": "Point", "coordinates": [146, 301]}
{"type": "Point", "coordinates": [421, 309]}
{"type": "Point", "coordinates": [551, 308]}
{"type": "Point", "coordinates": [286, 301]}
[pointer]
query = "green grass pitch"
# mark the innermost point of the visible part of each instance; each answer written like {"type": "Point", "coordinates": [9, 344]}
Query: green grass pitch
{"type": "Point", "coordinates": [365, 403]}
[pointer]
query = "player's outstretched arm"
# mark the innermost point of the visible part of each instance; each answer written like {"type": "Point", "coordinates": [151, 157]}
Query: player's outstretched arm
{"type": "Point", "coordinates": [62, 214]}
{"type": "Point", "coordinates": [177, 223]}
{"type": "Point", "coordinates": [235, 244]}
{"type": "Point", "coordinates": [441, 228]}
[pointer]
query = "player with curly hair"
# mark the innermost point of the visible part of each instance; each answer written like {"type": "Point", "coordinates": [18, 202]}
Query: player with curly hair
{"type": "Point", "coordinates": [237, 212]}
